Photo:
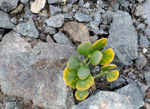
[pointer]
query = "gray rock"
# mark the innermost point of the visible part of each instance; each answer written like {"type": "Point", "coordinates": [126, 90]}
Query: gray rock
{"type": "Point", "coordinates": [139, 11]}
{"type": "Point", "coordinates": [97, 17]}
{"type": "Point", "coordinates": [54, 10]}
{"type": "Point", "coordinates": [123, 37]}
{"type": "Point", "coordinates": [1, 33]}
{"type": "Point", "coordinates": [35, 74]}
{"type": "Point", "coordinates": [5, 21]}
{"type": "Point", "coordinates": [49, 30]}
{"type": "Point", "coordinates": [81, 17]}
{"type": "Point", "coordinates": [94, 25]}
{"type": "Point", "coordinates": [55, 21]}
{"type": "Point", "coordinates": [118, 83]}
{"type": "Point", "coordinates": [18, 107]}
{"type": "Point", "coordinates": [141, 26]}
{"type": "Point", "coordinates": [24, 1]}
{"type": "Point", "coordinates": [10, 99]}
{"type": "Point", "coordinates": [81, 2]}
{"type": "Point", "coordinates": [147, 78]}
{"type": "Point", "coordinates": [141, 61]}
{"type": "Point", "coordinates": [10, 105]}
{"type": "Point", "coordinates": [27, 29]}
{"type": "Point", "coordinates": [105, 100]}
{"type": "Point", "coordinates": [54, 1]}
{"type": "Point", "coordinates": [147, 32]}
{"type": "Point", "coordinates": [144, 42]}
{"type": "Point", "coordinates": [107, 17]}
{"type": "Point", "coordinates": [86, 5]}
{"type": "Point", "coordinates": [134, 93]}
{"type": "Point", "coordinates": [14, 20]}
{"type": "Point", "coordinates": [8, 5]}
{"type": "Point", "coordinates": [147, 8]}
{"type": "Point", "coordinates": [72, 1]}
{"type": "Point", "coordinates": [62, 39]}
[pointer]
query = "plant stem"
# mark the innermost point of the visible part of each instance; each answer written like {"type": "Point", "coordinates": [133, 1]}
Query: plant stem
{"type": "Point", "coordinates": [100, 74]}
{"type": "Point", "coordinates": [85, 60]}
{"type": "Point", "coordinates": [88, 63]}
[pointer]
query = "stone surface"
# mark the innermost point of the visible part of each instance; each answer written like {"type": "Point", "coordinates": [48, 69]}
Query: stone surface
{"type": "Point", "coordinates": [77, 31]}
{"type": "Point", "coordinates": [37, 73]}
{"type": "Point", "coordinates": [37, 5]}
{"type": "Point", "coordinates": [141, 61]}
{"type": "Point", "coordinates": [54, 10]}
{"type": "Point", "coordinates": [144, 42]}
{"type": "Point", "coordinates": [10, 105]}
{"type": "Point", "coordinates": [1, 33]}
{"type": "Point", "coordinates": [147, 78]}
{"type": "Point", "coordinates": [81, 17]}
{"type": "Point", "coordinates": [24, 1]}
{"type": "Point", "coordinates": [54, 1]}
{"type": "Point", "coordinates": [27, 29]}
{"type": "Point", "coordinates": [139, 11]}
{"type": "Point", "coordinates": [8, 5]}
{"type": "Point", "coordinates": [123, 37]}
{"type": "Point", "coordinates": [62, 39]}
{"type": "Point", "coordinates": [118, 83]}
{"type": "Point", "coordinates": [55, 21]}
{"type": "Point", "coordinates": [134, 93]}
{"type": "Point", "coordinates": [105, 100]}
{"type": "Point", "coordinates": [147, 8]}
{"type": "Point", "coordinates": [5, 21]}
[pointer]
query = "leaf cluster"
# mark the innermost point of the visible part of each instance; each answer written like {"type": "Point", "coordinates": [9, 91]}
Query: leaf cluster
{"type": "Point", "coordinates": [77, 74]}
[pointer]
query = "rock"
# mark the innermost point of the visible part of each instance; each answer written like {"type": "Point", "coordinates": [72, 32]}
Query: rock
{"type": "Point", "coordinates": [94, 25]}
{"type": "Point", "coordinates": [24, 1]}
{"type": "Point", "coordinates": [81, 17]}
{"type": "Point", "coordinates": [139, 11]}
{"type": "Point", "coordinates": [37, 5]}
{"type": "Point", "coordinates": [10, 105]}
{"type": "Point", "coordinates": [18, 9]}
{"type": "Point", "coordinates": [147, 32]}
{"type": "Point", "coordinates": [123, 37]}
{"type": "Point", "coordinates": [5, 21]}
{"type": "Point", "coordinates": [118, 83]}
{"type": "Point", "coordinates": [77, 31]}
{"type": "Point", "coordinates": [54, 1]}
{"type": "Point", "coordinates": [71, 1]}
{"type": "Point", "coordinates": [144, 42]}
{"type": "Point", "coordinates": [144, 50]}
{"type": "Point", "coordinates": [55, 21]}
{"type": "Point", "coordinates": [143, 88]}
{"type": "Point", "coordinates": [8, 5]}
{"type": "Point", "coordinates": [86, 5]}
{"type": "Point", "coordinates": [81, 2]}
{"type": "Point", "coordinates": [35, 74]}
{"type": "Point", "coordinates": [49, 39]}
{"type": "Point", "coordinates": [134, 94]}
{"type": "Point", "coordinates": [147, 76]}
{"type": "Point", "coordinates": [1, 33]}
{"type": "Point", "coordinates": [107, 17]}
{"type": "Point", "coordinates": [97, 17]}
{"type": "Point", "coordinates": [49, 30]}
{"type": "Point", "coordinates": [105, 100]}
{"type": "Point", "coordinates": [14, 20]}
{"type": "Point", "coordinates": [54, 10]}
{"type": "Point", "coordinates": [62, 39]}
{"type": "Point", "coordinates": [27, 29]}
{"type": "Point", "coordinates": [10, 99]}
{"type": "Point", "coordinates": [141, 61]}
{"type": "Point", "coordinates": [147, 8]}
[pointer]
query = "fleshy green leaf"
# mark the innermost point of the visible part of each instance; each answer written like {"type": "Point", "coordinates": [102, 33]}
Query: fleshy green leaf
{"type": "Point", "coordinates": [100, 44]}
{"type": "Point", "coordinates": [95, 57]}
{"type": "Point", "coordinates": [107, 67]}
{"type": "Point", "coordinates": [73, 63]}
{"type": "Point", "coordinates": [85, 48]}
{"type": "Point", "coordinates": [81, 95]}
{"type": "Point", "coordinates": [108, 56]}
{"type": "Point", "coordinates": [85, 84]}
{"type": "Point", "coordinates": [112, 75]}
{"type": "Point", "coordinates": [73, 84]}
{"type": "Point", "coordinates": [69, 76]}
{"type": "Point", "coordinates": [83, 72]}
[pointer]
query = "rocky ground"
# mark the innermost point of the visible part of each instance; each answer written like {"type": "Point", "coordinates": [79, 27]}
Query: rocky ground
{"type": "Point", "coordinates": [34, 49]}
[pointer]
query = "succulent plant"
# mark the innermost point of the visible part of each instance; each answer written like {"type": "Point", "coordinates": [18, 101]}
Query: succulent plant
{"type": "Point", "coordinates": [77, 74]}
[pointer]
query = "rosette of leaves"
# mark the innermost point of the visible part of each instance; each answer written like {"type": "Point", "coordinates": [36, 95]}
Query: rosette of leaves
{"type": "Point", "coordinates": [77, 74]}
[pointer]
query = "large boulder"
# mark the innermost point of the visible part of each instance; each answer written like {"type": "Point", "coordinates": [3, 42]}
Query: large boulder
{"type": "Point", "coordinates": [123, 37]}
{"type": "Point", "coordinates": [35, 74]}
